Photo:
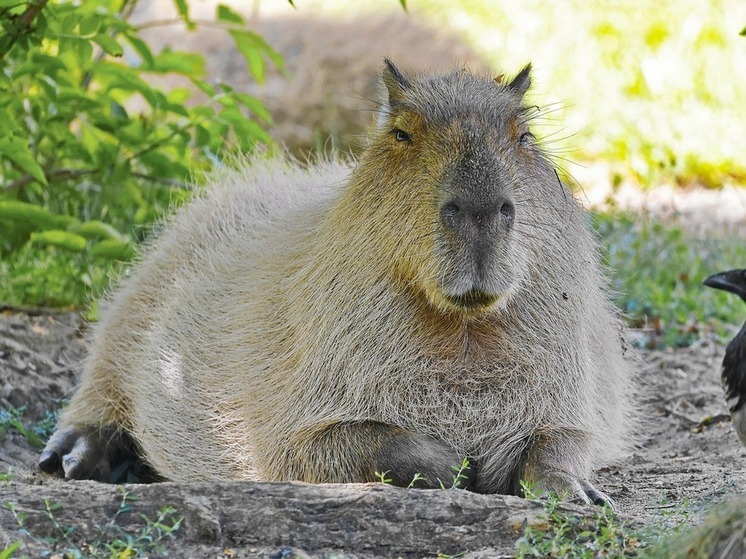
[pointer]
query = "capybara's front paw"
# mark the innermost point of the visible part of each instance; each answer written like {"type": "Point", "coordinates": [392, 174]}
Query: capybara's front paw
{"type": "Point", "coordinates": [79, 452]}
{"type": "Point", "coordinates": [589, 494]}
{"type": "Point", "coordinates": [572, 489]}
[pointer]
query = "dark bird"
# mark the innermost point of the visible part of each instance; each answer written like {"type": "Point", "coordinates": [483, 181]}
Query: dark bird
{"type": "Point", "coordinates": [734, 362]}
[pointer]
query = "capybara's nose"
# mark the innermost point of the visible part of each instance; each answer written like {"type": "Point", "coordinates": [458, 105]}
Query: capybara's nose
{"type": "Point", "coordinates": [463, 217]}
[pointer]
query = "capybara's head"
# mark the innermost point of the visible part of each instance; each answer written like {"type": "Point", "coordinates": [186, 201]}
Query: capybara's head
{"type": "Point", "coordinates": [453, 171]}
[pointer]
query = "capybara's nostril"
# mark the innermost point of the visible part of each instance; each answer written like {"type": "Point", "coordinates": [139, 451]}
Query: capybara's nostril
{"type": "Point", "coordinates": [507, 211]}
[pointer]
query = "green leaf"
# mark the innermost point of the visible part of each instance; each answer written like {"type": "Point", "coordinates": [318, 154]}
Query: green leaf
{"type": "Point", "coordinates": [17, 150]}
{"type": "Point", "coordinates": [113, 249]}
{"type": "Point", "coordinates": [234, 116]}
{"type": "Point", "coordinates": [29, 215]}
{"type": "Point", "coordinates": [95, 229]}
{"type": "Point", "coordinates": [224, 13]}
{"type": "Point", "coordinates": [161, 165]}
{"type": "Point", "coordinates": [204, 87]}
{"type": "Point", "coordinates": [109, 44]}
{"type": "Point", "coordinates": [250, 50]}
{"type": "Point", "coordinates": [142, 49]}
{"type": "Point", "coordinates": [257, 133]}
{"type": "Point", "coordinates": [127, 79]}
{"type": "Point", "coordinates": [119, 112]}
{"type": "Point", "coordinates": [8, 552]}
{"type": "Point", "coordinates": [743, 32]}
{"type": "Point", "coordinates": [7, 124]}
{"type": "Point", "coordinates": [183, 8]}
{"type": "Point", "coordinates": [51, 64]}
{"type": "Point", "coordinates": [61, 239]}
{"type": "Point", "coordinates": [90, 24]}
{"type": "Point", "coordinates": [186, 63]}
{"type": "Point", "coordinates": [201, 135]}
{"type": "Point", "coordinates": [76, 98]}
{"type": "Point", "coordinates": [82, 48]}
{"type": "Point", "coordinates": [254, 105]}
{"type": "Point", "coordinates": [176, 108]}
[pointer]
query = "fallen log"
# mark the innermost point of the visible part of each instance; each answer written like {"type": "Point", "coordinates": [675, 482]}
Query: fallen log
{"type": "Point", "coordinates": [246, 519]}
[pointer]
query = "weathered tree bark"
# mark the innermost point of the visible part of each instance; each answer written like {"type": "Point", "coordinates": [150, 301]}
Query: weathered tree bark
{"type": "Point", "coordinates": [258, 519]}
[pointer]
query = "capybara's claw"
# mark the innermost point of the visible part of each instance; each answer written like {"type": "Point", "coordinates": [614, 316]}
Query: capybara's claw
{"type": "Point", "coordinates": [59, 445]}
{"type": "Point", "coordinates": [77, 453]}
{"type": "Point", "coordinates": [590, 494]}
{"type": "Point", "coordinates": [49, 461]}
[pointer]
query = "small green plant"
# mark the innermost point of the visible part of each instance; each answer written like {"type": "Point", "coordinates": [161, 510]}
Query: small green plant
{"type": "Point", "coordinates": [531, 490]}
{"type": "Point", "coordinates": [7, 476]}
{"type": "Point", "coordinates": [564, 535]}
{"type": "Point", "coordinates": [459, 475]}
{"type": "Point", "coordinates": [151, 537]}
{"type": "Point", "coordinates": [50, 508]}
{"type": "Point", "coordinates": [35, 433]}
{"type": "Point", "coordinates": [42, 276]}
{"type": "Point", "coordinates": [148, 542]}
{"type": "Point", "coordinates": [417, 477]}
{"type": "Point", "coordinates": [7, 552]}
{"type": "Point", "coordinates": [382, 477]}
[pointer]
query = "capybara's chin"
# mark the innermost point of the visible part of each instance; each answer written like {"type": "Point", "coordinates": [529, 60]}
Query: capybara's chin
{"type": "Point", "coordinates": [475, 292]}
{"type": "Point", "coordinates": [472, 302]}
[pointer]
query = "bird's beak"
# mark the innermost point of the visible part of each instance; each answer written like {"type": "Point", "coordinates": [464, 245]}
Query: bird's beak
{"type": "Point", "coordinates": [732, 280]}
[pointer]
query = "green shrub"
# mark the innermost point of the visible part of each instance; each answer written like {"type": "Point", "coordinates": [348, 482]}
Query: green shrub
{"type": "Point", "coordinates": [90, 151]}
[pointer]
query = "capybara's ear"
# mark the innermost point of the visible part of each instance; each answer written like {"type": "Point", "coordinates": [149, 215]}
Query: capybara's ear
{"type": "Point", "coordinates": [395, 83]}
{"type": "Point", "coordinates": [522, 81]}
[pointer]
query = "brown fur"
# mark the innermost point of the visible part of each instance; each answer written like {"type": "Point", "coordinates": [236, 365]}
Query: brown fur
{"type": "Point", "coordinates": [320, 324]}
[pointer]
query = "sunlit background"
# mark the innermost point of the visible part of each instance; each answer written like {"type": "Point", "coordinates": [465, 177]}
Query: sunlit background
{"type": "Point", "coordinates": [654, 89]}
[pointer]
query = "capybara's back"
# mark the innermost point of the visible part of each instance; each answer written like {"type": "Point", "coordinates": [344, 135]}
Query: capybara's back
{"type": "Point", "coordinates": [439, 300]}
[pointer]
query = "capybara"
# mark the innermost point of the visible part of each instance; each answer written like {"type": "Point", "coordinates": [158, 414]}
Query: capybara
{"type": "Point", "coordinates": [439, 299]}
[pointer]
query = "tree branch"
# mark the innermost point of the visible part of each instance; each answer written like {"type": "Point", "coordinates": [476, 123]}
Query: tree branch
{"type": "Point", "coordinates": [75, 173]}
{"type": "Point", "coordinates": [170, 182]}
{"type": "Point", "coordinates": [55, 174]}
{"type": "Point", "coordinates": [24, 23]}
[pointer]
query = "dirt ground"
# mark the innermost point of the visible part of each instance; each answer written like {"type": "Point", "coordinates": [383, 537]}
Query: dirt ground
{"type": "Point", "coordinates": [689, 456]}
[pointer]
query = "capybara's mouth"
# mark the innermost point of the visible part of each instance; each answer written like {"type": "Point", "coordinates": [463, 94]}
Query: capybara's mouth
{"type": "Point", "coordinates": [473, 299]}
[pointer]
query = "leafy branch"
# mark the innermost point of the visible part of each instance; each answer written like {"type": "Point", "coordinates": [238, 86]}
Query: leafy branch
{"type": "Point", "coordinates": [71, 108]}
{"type": "Point", "coordinates": [21, 24]}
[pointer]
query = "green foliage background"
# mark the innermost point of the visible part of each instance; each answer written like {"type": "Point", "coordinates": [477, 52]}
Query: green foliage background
{"type": "Point", "coordinates": [90, 152]}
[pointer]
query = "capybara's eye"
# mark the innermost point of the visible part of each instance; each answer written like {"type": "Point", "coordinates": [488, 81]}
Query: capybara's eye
{"type": "Point", "coordinates": [401, 135]}
{"type": "Point", "coordinates": [526, 138]}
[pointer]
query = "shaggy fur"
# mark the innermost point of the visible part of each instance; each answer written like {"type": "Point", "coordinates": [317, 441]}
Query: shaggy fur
{"type": "Point", "coordinates": [288, 303]}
